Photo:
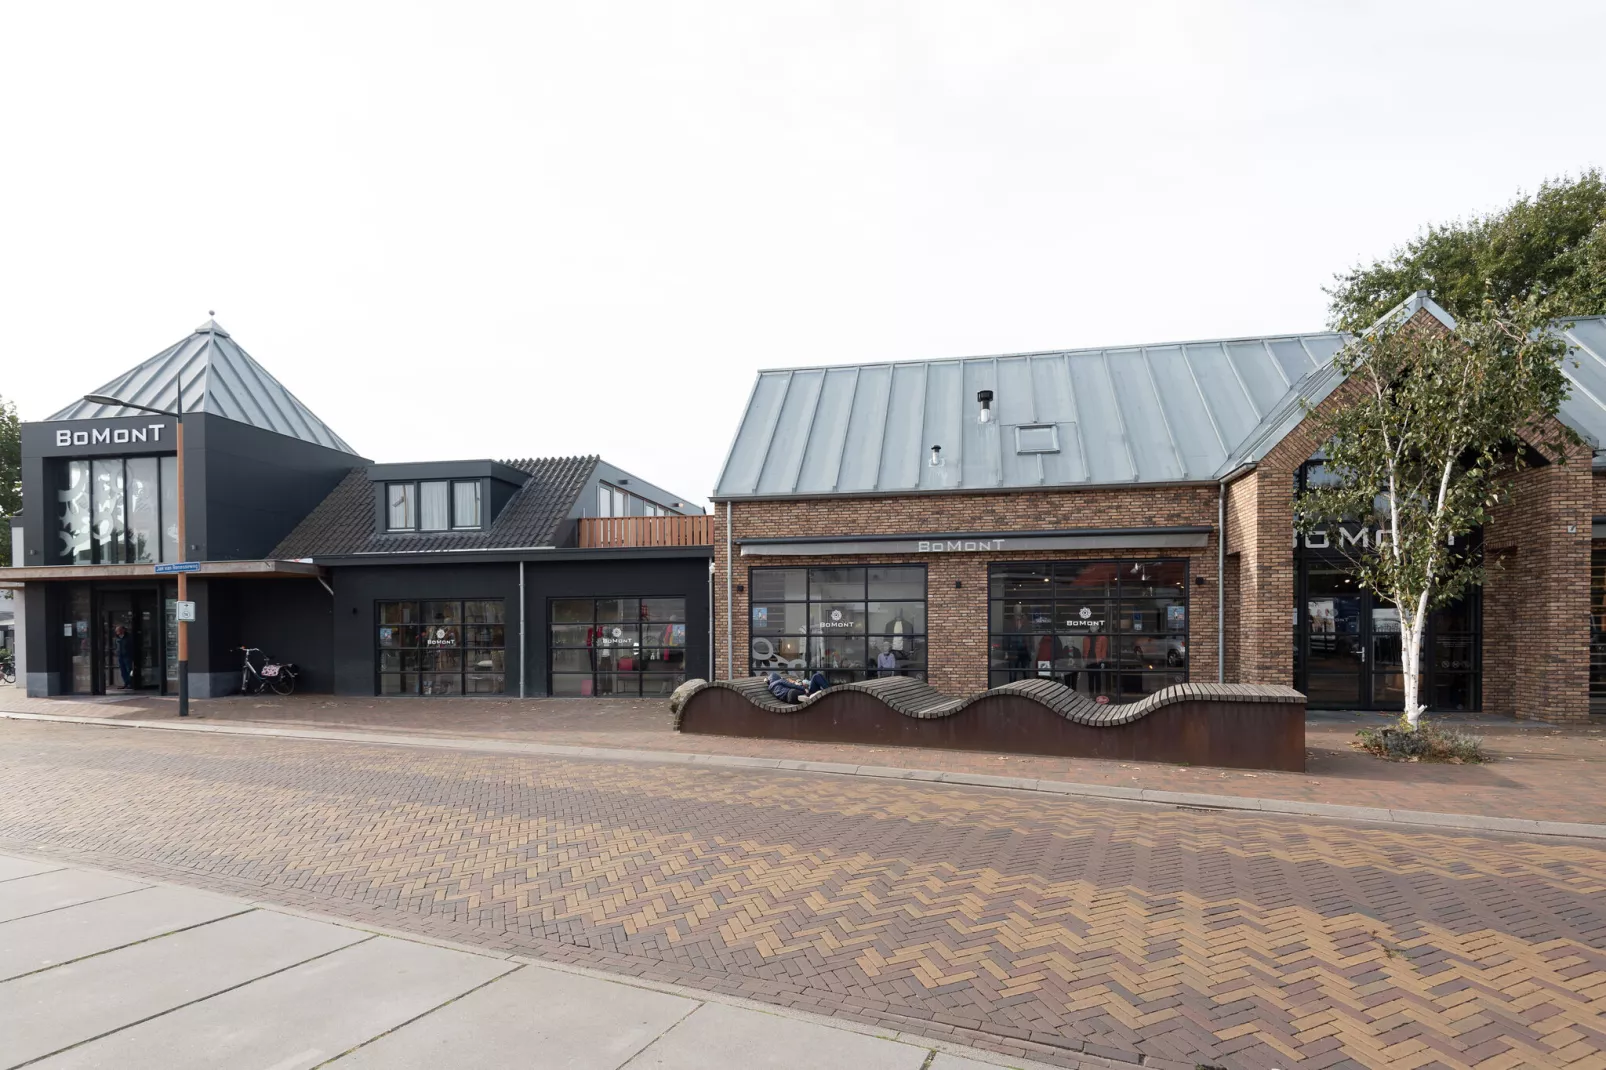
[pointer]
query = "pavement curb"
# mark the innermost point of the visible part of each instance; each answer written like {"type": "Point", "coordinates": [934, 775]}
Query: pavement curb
{"type": "Point", "coordinates": [1193, 800]}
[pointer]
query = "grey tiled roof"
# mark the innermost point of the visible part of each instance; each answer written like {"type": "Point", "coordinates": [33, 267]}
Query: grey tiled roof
{"type": "Point", "coordinates": [343, 523]}
{"type": "Point", "coordinates": [218, 377]}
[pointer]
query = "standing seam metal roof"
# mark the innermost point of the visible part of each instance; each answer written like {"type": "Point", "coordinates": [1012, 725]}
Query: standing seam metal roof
{"type": "Point", "coordinates": [1125, 415]}
{"type": "Point", "coordinates": [219, 378]}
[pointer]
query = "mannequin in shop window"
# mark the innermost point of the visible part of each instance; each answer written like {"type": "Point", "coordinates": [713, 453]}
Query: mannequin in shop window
{"type": "Point", "coordinates": [886, 662]}
{"type": "Point", "coordinates": [897, 628]}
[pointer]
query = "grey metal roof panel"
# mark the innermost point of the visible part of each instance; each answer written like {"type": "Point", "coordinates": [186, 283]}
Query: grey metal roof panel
{"type": "Point", "coordinates": [344, 522]}
{"type": "Point", "coordinates": [218, 377]}
{"type": "Point", "coordinates": [1140, 414]}
{"type": "Point", "coordinates": [1137, 414]}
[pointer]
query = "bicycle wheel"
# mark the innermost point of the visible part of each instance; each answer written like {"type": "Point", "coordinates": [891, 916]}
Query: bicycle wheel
{"type": "Point", "coordinates": [284, 683]}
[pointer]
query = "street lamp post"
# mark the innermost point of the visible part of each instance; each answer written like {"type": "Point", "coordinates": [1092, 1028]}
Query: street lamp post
{"type": "Point", "coordinates": [183, 547]}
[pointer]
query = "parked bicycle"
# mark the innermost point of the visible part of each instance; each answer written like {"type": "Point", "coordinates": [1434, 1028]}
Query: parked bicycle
{"type": "Point", "coordinates": [8, 670]}
{"type": "Point", "coordinates": [259, 673]}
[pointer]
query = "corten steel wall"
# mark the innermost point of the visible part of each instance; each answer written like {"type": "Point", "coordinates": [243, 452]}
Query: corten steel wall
{"type": "Point", "coordinates": [1536, 598]}
{"type": "Point", "coordinates": [956, 645]}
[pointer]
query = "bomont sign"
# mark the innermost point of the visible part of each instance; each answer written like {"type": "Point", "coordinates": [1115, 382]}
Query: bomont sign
{"type": "Point", "coordinates": [110, 436]}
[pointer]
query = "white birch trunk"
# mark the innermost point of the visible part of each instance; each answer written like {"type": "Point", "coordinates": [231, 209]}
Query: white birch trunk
{"type": "Point", "coordinates": [1412, 625]}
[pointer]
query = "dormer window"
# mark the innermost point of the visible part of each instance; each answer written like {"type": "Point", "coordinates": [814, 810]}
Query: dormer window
{"type": "Point", "coordinates": [433, 505]}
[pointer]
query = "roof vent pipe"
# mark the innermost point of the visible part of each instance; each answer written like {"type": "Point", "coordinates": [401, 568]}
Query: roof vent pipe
{"type": "Point", "coordinates": [985, 398]}
{"type": "Point", "coordinates": [936, 456]}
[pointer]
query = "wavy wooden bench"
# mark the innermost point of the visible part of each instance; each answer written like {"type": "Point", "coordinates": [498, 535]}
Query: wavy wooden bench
{"type": "Point", "coordinates": [1246, 726]}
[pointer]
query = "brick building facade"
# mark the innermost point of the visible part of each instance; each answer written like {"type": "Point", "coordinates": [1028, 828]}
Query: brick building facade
{"type": "Point", "coordinates": [1125, 463]}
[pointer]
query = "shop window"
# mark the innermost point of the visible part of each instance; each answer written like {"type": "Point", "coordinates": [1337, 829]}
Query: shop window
{"type": "Point", "coordinates": [1117, 629]}
{"type": "Point", "coordinates": [441, 647]}
{"type": "Point", "coordinates": [848, 623]}
{"type": "Point", "coordinates": [118, 510]}
{"type": "Point", "coordinates": [616, 647]}
{"type": "Point", "coordinates": [433, 505]}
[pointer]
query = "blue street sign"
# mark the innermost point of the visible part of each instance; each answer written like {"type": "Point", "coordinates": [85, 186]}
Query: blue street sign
{"type": "Point", "coordinates": [179, 566]}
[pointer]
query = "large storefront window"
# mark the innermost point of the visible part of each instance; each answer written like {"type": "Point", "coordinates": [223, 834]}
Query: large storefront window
{"type": "Point", "coordinates": [442, 647]}
{"type": "Point", "coordinates": [618, 647]}
{"type": "Point", "coordinates": [848, 623]}
{"type": "Point", "coordinates": [1117, 629]}
{"type": "Point", "coordinates": [116, 510]}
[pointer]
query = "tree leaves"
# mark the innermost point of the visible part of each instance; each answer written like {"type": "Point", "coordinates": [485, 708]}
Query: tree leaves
{"type": "Point", "coordinates": [1551, 247]}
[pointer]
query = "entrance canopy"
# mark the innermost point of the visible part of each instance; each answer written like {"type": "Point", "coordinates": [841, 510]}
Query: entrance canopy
{"type": "Point", "coordinates": [208, 570]}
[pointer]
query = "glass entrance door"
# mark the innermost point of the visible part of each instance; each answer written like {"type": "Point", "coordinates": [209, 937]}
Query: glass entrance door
{"type": "Point", "coordinates": [130, 642]}
{"type": "Point", "coordinates": [1353, 645]}
{"type": "Point", "coordinates": [1335, 644]}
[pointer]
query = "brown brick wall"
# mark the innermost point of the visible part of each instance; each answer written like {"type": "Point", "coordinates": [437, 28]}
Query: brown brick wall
{"type": "Point", "coordinates": [956, 645]}
{"type": "Point", "coordinates": [1536, 598]}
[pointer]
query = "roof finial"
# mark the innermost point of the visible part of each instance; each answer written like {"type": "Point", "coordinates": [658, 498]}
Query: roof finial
{"type": "Point", "coordinates": [211, 312]}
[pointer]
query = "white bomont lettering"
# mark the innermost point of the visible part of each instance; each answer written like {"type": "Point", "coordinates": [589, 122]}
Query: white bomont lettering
{"type": "Point", "coordinates": [100, 434]}
{"type": "Point", "coordinates": [156, 432]}
{"type": "Point", "coordinates": [80, 438]}
{"type": "Point", "coordinates": [120, 435]}
{"type": "Point", "coordinates": [138, 434]}
{"type": "Point", "coordinates": [1357, 538]}
{"type": "Point", "coordinates": [64, 438]}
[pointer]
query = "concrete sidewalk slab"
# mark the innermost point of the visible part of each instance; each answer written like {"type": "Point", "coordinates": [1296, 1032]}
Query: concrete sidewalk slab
{"type": "Point", "coordinates": [61, 936]}
{"type": "Point", "coordinates": [296, 1019]}
{"type": "Point", "coordinates": [1116, 793]}
{"type": "Point", "coordinates": [54, 1009]}
{"type": "Point", "coordinates": [717, 1037]}
{"type": "Point", "coordinates": [40, 892]}
{"type": "Point", "coordinates": [12, 868]}
{"type": "Point", "coordinates": [579, 1023]}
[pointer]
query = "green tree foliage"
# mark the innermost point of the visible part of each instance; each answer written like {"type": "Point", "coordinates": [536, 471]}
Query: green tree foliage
{"type": "Point", "coordinates": [10, 475]}
{"type": "Point", "coordinates": [1551, 246]}
{"type": "Point", "coordinates": [1431, 425]}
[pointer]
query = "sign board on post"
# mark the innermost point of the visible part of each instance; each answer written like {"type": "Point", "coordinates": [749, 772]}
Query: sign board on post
{"type": "Point", "coordinates": [184, 611]}
{"type": "Point", "coordinates": [179, 566]}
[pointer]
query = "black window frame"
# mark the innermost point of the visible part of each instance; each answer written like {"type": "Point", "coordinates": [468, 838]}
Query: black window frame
{"type": "Point", "coordinates": [903, 644]}
{"type": "Point", "coordinates": [1130, 663]}
{"type": "Point", "coordinates": [166, 471]}
{"type": "Point", "coordinates": [418, 502]}
{"type": "Point", "coordinates": [602, 662]}
{"type": "Point", "coordinates": [418, 666]}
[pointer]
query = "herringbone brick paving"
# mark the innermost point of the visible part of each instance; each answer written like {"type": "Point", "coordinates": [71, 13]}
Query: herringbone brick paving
{"type": "Point", "coordinates": [1060, 928]}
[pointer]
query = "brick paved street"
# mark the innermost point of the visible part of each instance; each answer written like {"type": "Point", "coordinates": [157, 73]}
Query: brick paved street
{"type": "Point", "coordinates": [1030, 925]}
{"type": "Point", "coordinates": [1538, 771]}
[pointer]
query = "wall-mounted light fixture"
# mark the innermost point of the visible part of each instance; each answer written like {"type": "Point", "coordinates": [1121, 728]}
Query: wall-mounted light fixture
{"type": "Point", "coordinates": [985, 399]}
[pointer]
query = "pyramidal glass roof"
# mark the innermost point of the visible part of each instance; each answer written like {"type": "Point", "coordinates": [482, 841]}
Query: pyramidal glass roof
{"type": "Point", "coordinates": [218, 377]}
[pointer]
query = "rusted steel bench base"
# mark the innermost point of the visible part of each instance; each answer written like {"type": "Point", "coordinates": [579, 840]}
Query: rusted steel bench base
{"type": "Point", "coordinates": [1237, 726]}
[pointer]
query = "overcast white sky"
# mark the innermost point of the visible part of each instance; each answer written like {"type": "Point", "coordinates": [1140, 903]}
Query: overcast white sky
{"type": "Point", "coordinates": [510, 230]}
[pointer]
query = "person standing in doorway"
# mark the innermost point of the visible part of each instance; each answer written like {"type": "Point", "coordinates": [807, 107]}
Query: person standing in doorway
{"type": "Point", "coordinates": [125, 656]}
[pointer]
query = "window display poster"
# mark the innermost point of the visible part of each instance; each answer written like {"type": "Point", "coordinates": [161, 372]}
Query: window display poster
{"type": "Point", "coordinates": [1176, 618]}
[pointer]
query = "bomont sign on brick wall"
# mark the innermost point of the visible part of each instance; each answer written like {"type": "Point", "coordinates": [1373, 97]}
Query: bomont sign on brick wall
{"type": "Point", "coordinates": [954, 546]}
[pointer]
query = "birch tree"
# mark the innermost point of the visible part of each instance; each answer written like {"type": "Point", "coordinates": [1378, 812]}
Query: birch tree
{"type": "Point", "coordinates": [1431, 425]}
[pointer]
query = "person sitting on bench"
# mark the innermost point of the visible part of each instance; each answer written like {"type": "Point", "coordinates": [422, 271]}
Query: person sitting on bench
{"type": "Point", "coordinates": [788, 689]}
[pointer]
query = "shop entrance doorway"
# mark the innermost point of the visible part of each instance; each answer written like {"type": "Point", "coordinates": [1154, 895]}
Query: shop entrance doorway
{"type": "Point", "coordinates": [132, 661]}
{"type": "Point", "coordinates": [1350, 648]}
{"type": "Point", "coordinates": [1352, 645]}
